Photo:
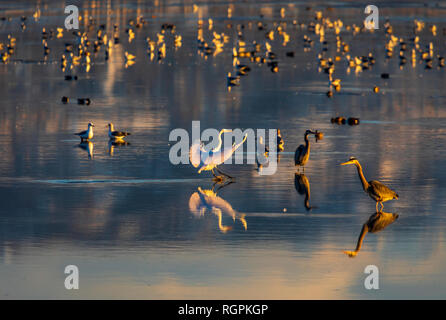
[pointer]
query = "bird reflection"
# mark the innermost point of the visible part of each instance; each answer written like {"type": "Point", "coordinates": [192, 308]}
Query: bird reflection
{"type": "Point", "coordinates": [377, 222]}
{"type": "Point", "coordinates": [117, 143]}
{"type": "Point", "coordinates": [207, 200]}
{"type": "Point", "coordinates": [302, 185]}
{"type": "Point", "coordinates": [87, 146]}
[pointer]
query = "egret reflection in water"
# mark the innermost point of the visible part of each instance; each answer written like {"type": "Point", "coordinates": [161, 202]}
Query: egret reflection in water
{"type": "Point", "coordinates": [207, 200]}
{"type": "Point", "coordinates": [376, 222]}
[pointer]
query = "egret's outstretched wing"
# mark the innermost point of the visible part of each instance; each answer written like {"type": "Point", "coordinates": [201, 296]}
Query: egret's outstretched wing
{"type": "Point", "coordinates": [195, 205]}
{"type": "Point", "coordinates": [195, 153]}
{"type": "Point", "coordinates": [227, 153]}
{"type": "Point", "coordinates": [208, 200]}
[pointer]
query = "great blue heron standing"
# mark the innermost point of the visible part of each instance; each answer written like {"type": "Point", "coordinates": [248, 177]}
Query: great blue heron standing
{"type": "Point", "coordinates": [209, 160]}
{"type": "Point", "coordinates": [303, 151]}
{"type": "Point", "coordinates": [375, 189]}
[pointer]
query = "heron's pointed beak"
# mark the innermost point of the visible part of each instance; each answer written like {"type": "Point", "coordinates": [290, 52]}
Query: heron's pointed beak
{"type": "Point", "coordinates": [351, 254]}
{"type": "Point", "coordinates": [345, 163]}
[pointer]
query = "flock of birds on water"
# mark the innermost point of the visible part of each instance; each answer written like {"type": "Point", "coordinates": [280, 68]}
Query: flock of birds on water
{"type": "Point", "coordinates": [84, 50]}
{"type": "Point", "coordinates": [209, 160]}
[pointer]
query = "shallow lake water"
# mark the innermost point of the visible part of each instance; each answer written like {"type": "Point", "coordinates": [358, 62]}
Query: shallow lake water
{"type": "Point", "coordinates": [132, 222]}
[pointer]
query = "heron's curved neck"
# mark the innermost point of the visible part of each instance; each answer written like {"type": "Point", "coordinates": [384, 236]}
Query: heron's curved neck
{"type": "Point", "coordinates": [365, 184]}
{"type": "Point", "coordinates": [307, 142]}
{"type": "Point", "coordinates": [364, 231]}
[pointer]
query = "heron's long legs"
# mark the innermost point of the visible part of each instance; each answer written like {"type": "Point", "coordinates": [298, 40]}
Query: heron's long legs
{"type": "Point", "coordinates": [218, 179]}
{"type": "Point", "coordinates": [382, 206]}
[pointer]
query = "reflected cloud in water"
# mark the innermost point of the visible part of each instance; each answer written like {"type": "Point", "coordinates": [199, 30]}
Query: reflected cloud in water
{"type": "Point", "coordinates": [207, 200]}
{"type": "Point", "coordinates": [377, 221]}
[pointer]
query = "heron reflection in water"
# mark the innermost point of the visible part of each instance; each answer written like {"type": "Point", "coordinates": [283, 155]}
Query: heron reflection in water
{"type": "Point", "coordinates": [116, 143]}
{"type": "Point", "coordinates": [302, 185]}
{"type": "Point", "coordinates": [377, 222]}
{"type": "Point", "coordinates": [207, 200]}
{"type": "Point", "coordinates": [87, 146]}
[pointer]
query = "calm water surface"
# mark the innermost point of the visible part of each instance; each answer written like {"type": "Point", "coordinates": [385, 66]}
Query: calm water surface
{"type": "Point", "coordinates": [130, 220]}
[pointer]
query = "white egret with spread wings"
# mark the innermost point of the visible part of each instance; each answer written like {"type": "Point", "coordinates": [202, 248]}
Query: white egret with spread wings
{"type": "Point", "coordinates": [209, 160]}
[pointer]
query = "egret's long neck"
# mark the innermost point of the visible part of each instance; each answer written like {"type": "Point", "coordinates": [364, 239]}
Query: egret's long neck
{"type": "Point", "coordinates": [365, 184]}
{"type": "Point", "coordinates": [235, 146]}
{"type": "Point", "coordinates": [218, 147]}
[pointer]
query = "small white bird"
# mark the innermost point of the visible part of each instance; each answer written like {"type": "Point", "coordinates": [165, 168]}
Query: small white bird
{"type": "Point", "coordinates": [116, 135]}
{"type": "Point", "coordinates": [87, 134]}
